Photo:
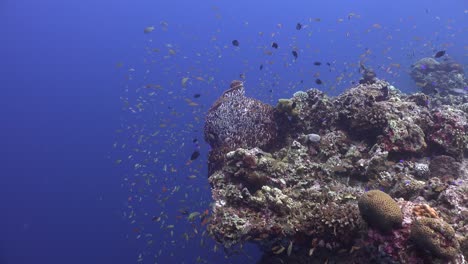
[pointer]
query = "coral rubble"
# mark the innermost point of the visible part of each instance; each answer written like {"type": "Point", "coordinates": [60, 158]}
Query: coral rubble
{"type": "Point", "coordinates": [370, 176]}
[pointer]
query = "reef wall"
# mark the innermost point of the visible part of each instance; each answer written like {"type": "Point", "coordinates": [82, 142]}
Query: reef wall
{"type": "Point", "coordinates": [370, 176]}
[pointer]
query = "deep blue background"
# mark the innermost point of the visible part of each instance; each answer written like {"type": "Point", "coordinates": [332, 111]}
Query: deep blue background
{"type": "Point", "coordinates": [61, 199]}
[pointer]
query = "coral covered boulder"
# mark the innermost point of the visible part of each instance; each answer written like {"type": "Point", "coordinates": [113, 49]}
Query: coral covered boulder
{"type": "Point", "coordinates": [436, 236]}
{"type": "Point", "coordinates": [450, 131]}
{"type": "Point", "coordinates": [432, 76]}
{"type": "Point", "coordinates": [380, 210]}
{"type": "Point", "coordinates": [293, 179]}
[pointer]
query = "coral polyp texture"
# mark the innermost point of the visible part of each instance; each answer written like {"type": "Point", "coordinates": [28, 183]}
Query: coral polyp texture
{"type": "Point", "coordinates": [237, 121]}
{"type": "Point", "coordinates": [436, 236]}
{"type": "Point", "coordinates": [370, 176]}
{"type": "Point", "coordinates": [380, 210]}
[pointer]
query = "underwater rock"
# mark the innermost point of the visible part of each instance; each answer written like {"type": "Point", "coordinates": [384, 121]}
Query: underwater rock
{"type": "Point", "coordinates": [449, 131]}
{"type": "Point", "coordinates": [445, 167]}
{"type": "Point", "coordinates": [313, 138]}
{"type": "Point", "coordinates": [464, 246]}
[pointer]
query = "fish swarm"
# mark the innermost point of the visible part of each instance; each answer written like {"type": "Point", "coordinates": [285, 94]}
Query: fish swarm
{"type": "Point", "coordinates": [379, 210]}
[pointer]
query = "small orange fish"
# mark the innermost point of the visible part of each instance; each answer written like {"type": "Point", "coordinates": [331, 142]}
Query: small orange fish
{"type": "Point", "coordinates": [205, 221]}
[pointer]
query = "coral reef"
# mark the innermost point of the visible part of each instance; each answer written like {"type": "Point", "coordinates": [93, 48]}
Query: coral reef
{"type": "Point", "coordinates": [298, 187]}
{"type": "Point", "coordinates": [445, 77]}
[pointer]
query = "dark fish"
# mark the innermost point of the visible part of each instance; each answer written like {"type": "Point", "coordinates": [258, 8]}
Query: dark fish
{"type": "Point", "coordinates": [298, 26]}
{"type": "Point", "coordinates": [261, 66]}
{"type": "Point", "coordinates": [317, 63]}
{"type": "Point", "coordinates": [439, 54]}
{"type": "Point", "coordinates": [274, 45]}
{"type": "Point", "coordinates": [271, 90]}
{"type": "Point", "coordinates": [195, 155]}
{"type": "Point", "coordinates": [318, 81]}
{"type": "Point", "coordinates": [235, 43]}
{"type": "Point", "coordinates": [294, 53]}
{"type": "Point", "coordinates": [196, 95]}
{"type": "Point", "coordinates": [195, 140]}
{"type": "Point", "coordinates": [328, 64]}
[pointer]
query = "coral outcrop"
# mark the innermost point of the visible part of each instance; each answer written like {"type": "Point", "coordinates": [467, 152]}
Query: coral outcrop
{"type": "Point", "coordinates": [445, 77]}
{"type": "Point", "coordinates": [294, 179]}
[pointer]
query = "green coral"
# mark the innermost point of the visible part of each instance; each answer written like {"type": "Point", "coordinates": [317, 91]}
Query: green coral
{"type": "Point", "coordinates": [287, 106]}
{"type": "Point", "coordinates": [435, 235]}
{"type": "Point", "coordinates": [379, 210]}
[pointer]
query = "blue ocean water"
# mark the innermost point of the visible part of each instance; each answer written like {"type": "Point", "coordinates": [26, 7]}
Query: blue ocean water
{"type": "Point", "coordinates": [99, 118]}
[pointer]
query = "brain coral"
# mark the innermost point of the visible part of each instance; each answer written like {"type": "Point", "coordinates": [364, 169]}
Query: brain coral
{"type": "Point", "coordinates": [379, 210]}
{"type": "Point", "coordinates": [435, 235]}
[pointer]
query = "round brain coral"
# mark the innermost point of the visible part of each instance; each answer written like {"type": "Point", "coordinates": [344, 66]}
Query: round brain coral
{"type": "Point", "coordinates": [435, 235]}
{"type": "Point", "coordinates": [379, 210]}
